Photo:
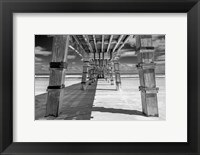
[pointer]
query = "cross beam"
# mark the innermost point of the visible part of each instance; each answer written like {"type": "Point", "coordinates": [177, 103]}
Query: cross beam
{"type": "Point", "coordinates": [88, 42]}
{"type": "Point", "coordinates": [119, 40]}
{"type": "Point", "coordinates": [95, 43]}
{"type": "Point", "coordinates": [78, 43]}
{"type": "Point", "coordinates": [102, 43]}
{"type": "Point", "coordinates": [125, 41]}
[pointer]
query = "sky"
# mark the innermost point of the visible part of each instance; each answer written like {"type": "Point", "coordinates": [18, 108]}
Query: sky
{"type": "Point", "coordinates": [128, 60]}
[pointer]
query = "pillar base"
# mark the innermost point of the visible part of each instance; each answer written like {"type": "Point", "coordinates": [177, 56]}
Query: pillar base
{"type": "Point", "coordinates": [118, 86]}
{"type": "Point", "coordinates": [54, 102]}
{"type": "Point", "coordinates": [90, 82]}
{"type": "Point", "coordinates": [155, 115]}
{"type": "Point", "coordinates": [83, 86]}
{"type": "Point", "coordinates": [149, 104]}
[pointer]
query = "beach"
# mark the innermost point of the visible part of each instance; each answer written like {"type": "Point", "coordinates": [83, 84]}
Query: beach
{"type": "Point", "coordinates": [101, 100]}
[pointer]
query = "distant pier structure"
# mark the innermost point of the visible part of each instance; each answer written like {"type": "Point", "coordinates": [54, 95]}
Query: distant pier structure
{"type": "Point", "coordinates": [101, 55]}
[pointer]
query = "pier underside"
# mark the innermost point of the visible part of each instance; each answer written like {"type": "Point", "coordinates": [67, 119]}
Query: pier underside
{"type": "Point", "coordinates": [101, 75]}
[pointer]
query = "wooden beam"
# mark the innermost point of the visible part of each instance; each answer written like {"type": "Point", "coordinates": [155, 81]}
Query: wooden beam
{"type": "Point", "coordinates": [110, 40]}
{"type": "Point", "coordinates": [102, 43]}
{"type": "Point", "coordinates": [74, 36]}
{"type": "Point", "coordinates": [58, 67]}
{"type": "Point", "coordinates": [111, 55]}
{"type": "Point", "coordinates": [119, 40]}
{"type": "Point", "coordinates": [117, 53]}
{"type": "Point", "coordinates": [103, 59]}
{"type": "Point", "coordinates": [75, 50]}
{"type": "Point", "coordinates": [84, 74]}
{"type": "Point", "coordinates": [146, 68]}
{"type": "Point", "coordinates": [88, 42]}
{"type": "Point", "coordinates": [117, 75]}
{"type": "Point", "coordinates": [99, 59]}
{"type": "Point", "coordinates": [111, 72]}
{"type": "Point", "coordinates": [120, 47]}
{"type": "Point", "coordinates": [109, 43]}
{"type": "Point", "coordinates": [95, 43]}
{"type": "Point", "coordinates": [94, 56]}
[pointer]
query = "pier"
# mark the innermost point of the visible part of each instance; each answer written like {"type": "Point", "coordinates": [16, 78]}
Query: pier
{"type": "Point", "coordinates": [101, 94]}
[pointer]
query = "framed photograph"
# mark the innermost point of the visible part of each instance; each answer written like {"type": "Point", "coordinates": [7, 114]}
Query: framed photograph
{"type": "Point", "coordinates": [104, 77]}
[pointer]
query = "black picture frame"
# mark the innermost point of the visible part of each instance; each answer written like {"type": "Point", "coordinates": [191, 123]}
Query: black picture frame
{"type": "Point", "coordinates": [8, 7]}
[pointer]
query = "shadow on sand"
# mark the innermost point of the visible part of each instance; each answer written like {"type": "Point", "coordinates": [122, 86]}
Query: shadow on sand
{"type": "Point", "coordinates": [120, 111]}
{"type": "Point", "coordinates": [107, 89]}
{"type": "Point", "coordinates": [77, 104]}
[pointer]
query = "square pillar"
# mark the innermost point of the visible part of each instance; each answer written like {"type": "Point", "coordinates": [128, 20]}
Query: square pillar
{"type": "Point", "coordinates": [117, 75]}
{"type": "Point", "coordinates": [111, 73]}
{"type": "Point", "coordinates": [58, 65]}
{"type": "Point", "coordinates": [95, 73]}
{"type": "Point", "coordinates": [105, 69]}
{"type": "Point", "coordinates": [146, 69]}
{"type": "Point", "coordinates": [85, 74]}
{"type": "Point", "coordinates": [91, 73]}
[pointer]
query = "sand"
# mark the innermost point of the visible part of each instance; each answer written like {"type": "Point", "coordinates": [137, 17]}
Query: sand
{"type": "Point", "coordinates": [100, 101]}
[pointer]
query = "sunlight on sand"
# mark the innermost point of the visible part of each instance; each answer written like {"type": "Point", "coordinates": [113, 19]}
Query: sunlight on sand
{"type": "Point", "coordinates": [125, 104]}
{"type": "Point", "coordinates": [100, 102]}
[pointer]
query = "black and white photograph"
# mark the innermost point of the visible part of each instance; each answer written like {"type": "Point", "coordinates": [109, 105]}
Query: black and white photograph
{"type": "Point", "coordinates": [103, 77]}
{"type": "Point", "coordinates": [100, 77]}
